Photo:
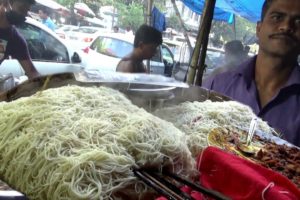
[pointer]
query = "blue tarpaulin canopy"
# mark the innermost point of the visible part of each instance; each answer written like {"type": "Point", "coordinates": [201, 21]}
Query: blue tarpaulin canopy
{"type": "Point", "coordinates": [225, 9]}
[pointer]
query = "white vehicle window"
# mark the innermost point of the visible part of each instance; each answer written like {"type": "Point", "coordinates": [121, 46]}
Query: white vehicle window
{"type": "Point", "coordinates": [86, 30]}
{"type": "Point", "coordinates": [167, 55]}
{"type": "Point", "coordinates": [112, 47]}
{"type": "Point", "coordinates": [42, 45]}
{"type": "Point", "coordinates": [157, 56]}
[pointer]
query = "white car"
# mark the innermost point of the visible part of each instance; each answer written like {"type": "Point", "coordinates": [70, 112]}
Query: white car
{"type": "Point", "coordinates": [65, 31]}
{"type": "Point", "coordinates": [49, 53]}
{"type": "Point", "coordinates": [86, 33]}
{"type": "Point", "coordinates": [108, 49]}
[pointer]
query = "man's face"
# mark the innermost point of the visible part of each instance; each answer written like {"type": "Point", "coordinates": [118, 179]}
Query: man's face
{"type": "Point", "coordinates": [149, 50]}
{"type": "Point", "coordinates": [42, 14]}
{"type": "Point", "coordinates": [279, 32]}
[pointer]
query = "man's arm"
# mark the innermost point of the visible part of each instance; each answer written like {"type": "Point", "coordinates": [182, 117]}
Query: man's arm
{"type": "Point", "coordinates": [29, 68]}
{"type": "Point", "coordinates": [125, 66]}
{"type": "Point", "coordinates": [21, 53]}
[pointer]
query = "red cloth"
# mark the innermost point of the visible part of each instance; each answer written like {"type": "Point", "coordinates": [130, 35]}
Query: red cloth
{"type": "Point", "coordinates": [240, 179]}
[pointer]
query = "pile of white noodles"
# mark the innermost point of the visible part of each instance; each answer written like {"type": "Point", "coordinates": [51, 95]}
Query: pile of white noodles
{"type": "Point", "coordinates": [197, 119]}
{"type": "Point", "coordinates": [81, 143]}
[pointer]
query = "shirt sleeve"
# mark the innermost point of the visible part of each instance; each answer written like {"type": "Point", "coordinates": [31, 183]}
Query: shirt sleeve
{"type": "Point", "coordinates": [208, 83]}
{"type": "Point", "coordinates": [19, 48]}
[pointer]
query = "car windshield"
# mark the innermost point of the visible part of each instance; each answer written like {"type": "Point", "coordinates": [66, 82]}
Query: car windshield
{"type": "Point", "coordinates": [112, 47]}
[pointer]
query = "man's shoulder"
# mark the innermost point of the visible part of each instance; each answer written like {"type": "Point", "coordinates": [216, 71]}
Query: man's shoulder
{"type": "Point", "coordinates": [232, 77]}
{"type": "Point", "coordinates": [17, 37]}
{"type": "Point", "coordinates": [220, 79]}
{"type": "Point", "coordinates": [125, 65]}
{"type": "Point", "coordinates": [126, 59]}
{"type": "Point", "coordinates": [13, 37]}
{"type": "Point", "coordinates": [10, 32]}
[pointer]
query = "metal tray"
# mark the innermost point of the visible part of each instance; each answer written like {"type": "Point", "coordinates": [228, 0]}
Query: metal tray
{"type": "Point", "coordinates": [150, 97]}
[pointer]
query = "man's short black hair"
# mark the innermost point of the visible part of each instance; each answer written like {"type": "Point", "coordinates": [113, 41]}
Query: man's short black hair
{"type": "Point", "coordinates": [31, 2]}
{"type": "Point", "coordinates": [265, 8]}
{"type": "Point", "coordinates": [45, 10]}
{"type": "Point", "coordinates": [234, 47]}
{"type": "Point", "coordinates": [147, 35]}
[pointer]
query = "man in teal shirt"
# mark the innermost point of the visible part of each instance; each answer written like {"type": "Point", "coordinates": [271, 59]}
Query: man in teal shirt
{"type": "Point", "coordinates": [44, 15]}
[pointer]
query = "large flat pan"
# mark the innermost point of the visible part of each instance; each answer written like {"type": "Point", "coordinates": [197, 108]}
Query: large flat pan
{"type": "Point", "coordinates": [146, 96]}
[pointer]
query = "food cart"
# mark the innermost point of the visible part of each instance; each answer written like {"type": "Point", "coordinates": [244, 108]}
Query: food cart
{"type": "Point", "coordinates": [151, 98]}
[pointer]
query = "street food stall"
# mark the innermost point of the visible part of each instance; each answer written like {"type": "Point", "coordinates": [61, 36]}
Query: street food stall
{"type": "Point", "coordinates": [75, 136]}
{"type": "Point", "coordinates": [94, 135]}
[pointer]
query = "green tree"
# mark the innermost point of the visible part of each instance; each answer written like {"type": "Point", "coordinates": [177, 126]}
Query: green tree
{"type": "Point", "coordinates": [130, 15]}
{"type": "Point", "coordinates": [130, 12]}
{"type": "Point", "coordinates": [244, 29]}
{"type": "Point", "coordinates": [174, 22]}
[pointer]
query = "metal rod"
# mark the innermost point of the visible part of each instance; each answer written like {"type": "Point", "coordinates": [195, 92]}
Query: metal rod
{"type": "Point", "coordinates": [182, 25]}
{"type": "Point", "coordinates": [170, 185]}
{"type": "Point", "coordinates": [209, 192]}
{"type": "Point", "coordinates": [157, 186]}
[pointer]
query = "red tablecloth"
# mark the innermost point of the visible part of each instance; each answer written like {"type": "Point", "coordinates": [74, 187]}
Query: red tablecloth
{"type": "Point", "coordinates": [241, 179]}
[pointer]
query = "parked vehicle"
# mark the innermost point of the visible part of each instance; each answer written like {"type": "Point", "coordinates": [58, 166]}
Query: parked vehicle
{"type": "Point", "coordinates": [182, 54]}
{"type": "Point", "coordinates": [85, 33]}
{"type": "Point", "coordinates": [65, 31]}
{"type": "Point", "coordinates": [108, 49]}
{"type": "Point", "coordinates": [49, 53]}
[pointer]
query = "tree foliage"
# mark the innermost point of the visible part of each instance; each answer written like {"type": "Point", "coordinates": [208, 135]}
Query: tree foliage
{"type": "Point", "coordinates": [131, 12]}
{"type": "Point", "coordinates": [130, 16]}
{"type": "Point", "coordinates": [174, 22]}
{"type": "Point", "coordinates": [223, 32]}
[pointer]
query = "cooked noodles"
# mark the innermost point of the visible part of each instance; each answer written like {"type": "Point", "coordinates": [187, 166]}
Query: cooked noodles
{"type": "Point", "coordinates": [81, 143]}
{"type": "Point", "coordinates": [197, 119]}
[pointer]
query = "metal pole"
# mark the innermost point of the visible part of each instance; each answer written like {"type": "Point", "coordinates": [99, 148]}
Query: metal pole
{"type": "Point", "coordinates": [182, 25]}
{"type": "Point", "coordinates": [113, 18]}
{"type": "Point", "coordinates": [198, 59]}
{"type": "Point", "coordinates": [234, 26]}
{"type": "Point", "coordinates": [149, 13]}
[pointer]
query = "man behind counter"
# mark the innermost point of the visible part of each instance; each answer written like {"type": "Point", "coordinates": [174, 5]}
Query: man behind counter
{"type": "Point", "coordinates": [13, 12]}
{"type": "Point", "coordinates": [270, 82]}
{"type": "Point", "coordinates": [146, 41]}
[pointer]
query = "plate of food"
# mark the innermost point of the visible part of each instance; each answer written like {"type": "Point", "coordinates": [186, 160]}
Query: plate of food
{"type": "Point", "coordinates": [234, 141]}
{"type": "Point", "coordinates": [282, 158]}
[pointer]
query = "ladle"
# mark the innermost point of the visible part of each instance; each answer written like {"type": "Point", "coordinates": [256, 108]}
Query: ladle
{"type": "Point", "coordinates": [247, 147]}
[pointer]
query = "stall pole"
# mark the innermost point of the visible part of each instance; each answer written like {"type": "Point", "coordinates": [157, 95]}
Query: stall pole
{"type": "Point", "coordinates": [148, 20]}
{"type": "Point", "coordinates": [197, 65]}
{"type": "Point", "coordinates": [149, 12]}
{"type": "Point", "coordinates": [234, 26]}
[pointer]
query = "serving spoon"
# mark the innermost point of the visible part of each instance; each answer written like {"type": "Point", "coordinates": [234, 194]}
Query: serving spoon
{"type": "Point", "coordinates": [246, 147]}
